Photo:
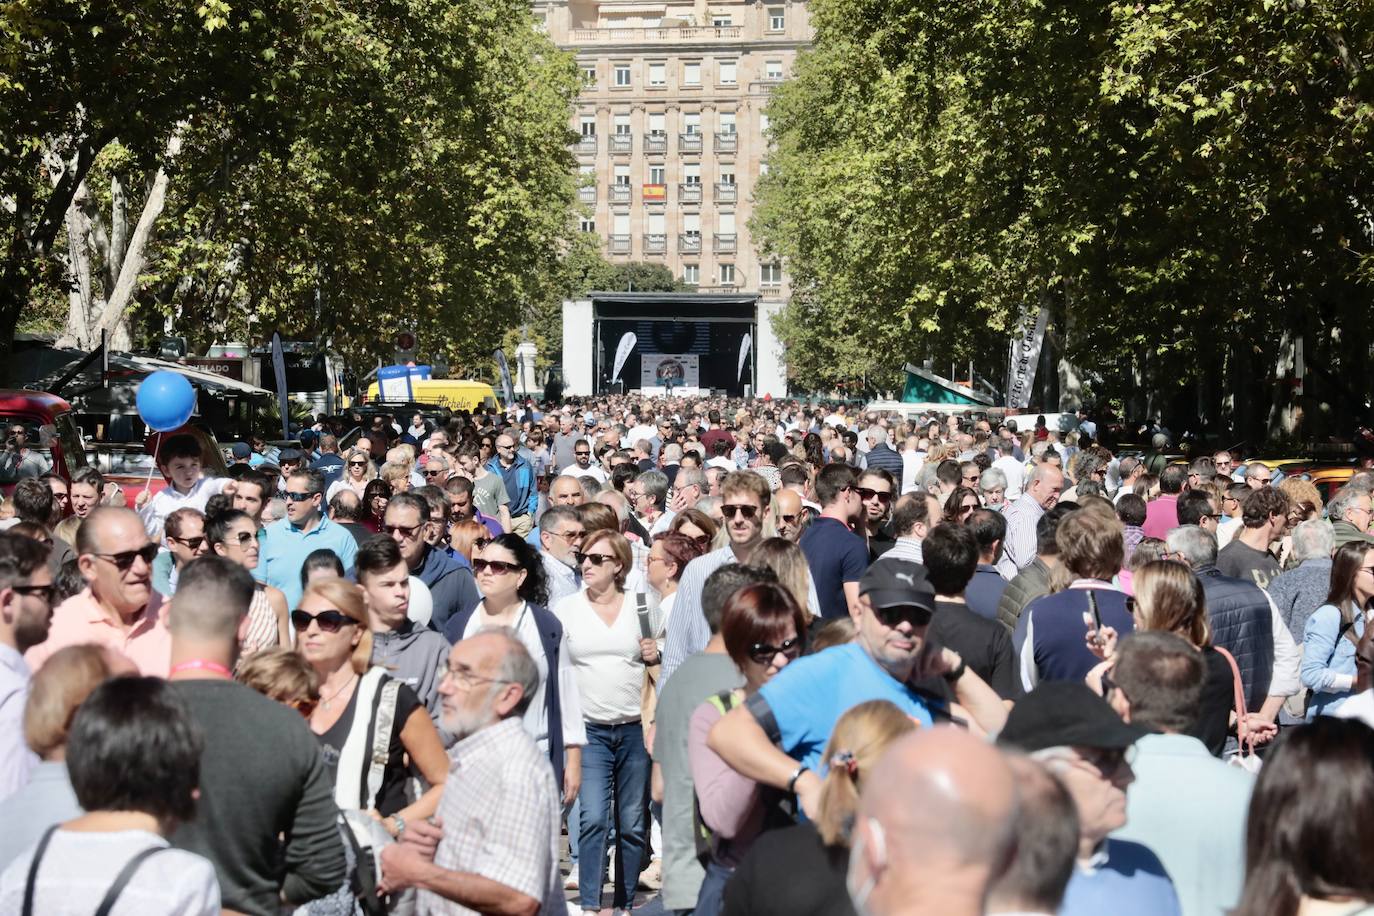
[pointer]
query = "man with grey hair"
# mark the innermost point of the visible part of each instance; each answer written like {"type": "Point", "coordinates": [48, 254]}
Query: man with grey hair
{"type": "Point", "coordinates": [1046, 835]}
{"type": "Point", "coordinates": [1043, 486]}
{"type": "Point", "coordinates": [1129, 470]}
{"type": "Point", "coordinates": [1349, 512]}
{"type": "Point", "coordinates": [494, 848]}
{"type": "Point", "coordinates": [1302, 589]}
{"type": "Point", "coordinates": [880, 454]}
{"type": "Point", "coordinates": [1244, 622]}
{"type": "Point", "coordinates": [689, 488]}
{"type": "Point", "coordinates": [670, 461]}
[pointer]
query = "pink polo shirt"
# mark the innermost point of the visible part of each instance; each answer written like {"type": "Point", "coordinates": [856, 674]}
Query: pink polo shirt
{"type": "Point", "coordinates": [80, 620]}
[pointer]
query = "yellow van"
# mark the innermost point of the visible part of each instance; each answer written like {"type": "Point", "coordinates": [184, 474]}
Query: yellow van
{"type": "Point", "coordinates": [455, 394]}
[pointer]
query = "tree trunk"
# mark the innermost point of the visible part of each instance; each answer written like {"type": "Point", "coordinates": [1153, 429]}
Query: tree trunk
{"type": "Point", "coordinates": [79, 266]}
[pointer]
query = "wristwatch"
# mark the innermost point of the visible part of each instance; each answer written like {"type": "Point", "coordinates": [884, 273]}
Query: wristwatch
{"type": "Point", "coordinates": [400, 825]}
{"type": "Point", "coordinates": [953, 676]}
{"type": "Point", "coordinates": [796, 774]}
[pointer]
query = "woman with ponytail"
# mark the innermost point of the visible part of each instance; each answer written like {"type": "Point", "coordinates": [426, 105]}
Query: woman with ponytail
{"type": "Point", "coordinates": [800, 870]}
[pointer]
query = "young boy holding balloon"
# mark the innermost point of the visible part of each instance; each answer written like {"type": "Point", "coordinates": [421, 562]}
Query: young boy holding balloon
{"type": "Point", "coordinates": [179, 461]}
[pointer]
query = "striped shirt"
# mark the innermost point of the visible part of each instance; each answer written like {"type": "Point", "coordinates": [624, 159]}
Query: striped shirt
{"type": "Point", "coordinates": [1019, 549]}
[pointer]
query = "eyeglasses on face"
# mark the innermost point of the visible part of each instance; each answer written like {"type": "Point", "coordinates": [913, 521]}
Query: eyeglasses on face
{"type": "Point", "coordinates": [468, 679]}
{"type": "Point", "coordinates": [357, 464]}
{"type": "Point", "coordinates": [296, 496]}
{"type": "Point", "coordinates": [243, 538]}
{"type": "Point", "coordinates": [191, 543]}
{"type": "Point", "coordinates": [37, 591]}
{"type": "Point", "coordinates": [913, 614]}
{"type": "Point", "coordinates": [884, 497]}
{"type": "Point", "coordinates": [596, 559]}
{"type": "Point", "coordinates": [435, 472]}
{"type": "Point", "coordinates": [125, 558]}
{"type": "Point", "coordinates": [731, 510]}
{"type": "Point", "coordinates": [763, 653]}
{"type": "Point", "coordinates": [571, 537]}
{"type": "Point", "coordinates": [582, 453]}
{"type": "Point", "coordinates": [789, 519]}
{"type": "Point", "coordinates": [330, 621]}
{"type": "Point", "coordinates": [497, 567]}
{"type": "Point", "coordinates": [405, 531]}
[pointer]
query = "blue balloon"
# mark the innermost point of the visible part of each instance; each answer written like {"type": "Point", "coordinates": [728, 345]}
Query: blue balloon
{"type": "Point", "coordinates": [165, 400]}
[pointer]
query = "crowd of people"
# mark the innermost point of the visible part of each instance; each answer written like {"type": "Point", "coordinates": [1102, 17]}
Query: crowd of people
{"type": "Point", "coordinates": [749, 658]}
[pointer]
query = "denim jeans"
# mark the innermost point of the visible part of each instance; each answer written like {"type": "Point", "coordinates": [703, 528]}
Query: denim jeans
{"type": "Point", "coordinates": [711, 897]}
{"type": "Point", "coordinates": [615, 786]}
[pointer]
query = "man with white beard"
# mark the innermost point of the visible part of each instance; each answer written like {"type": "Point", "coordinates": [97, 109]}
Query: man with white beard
{"type": "Point", "coordinates": [494, 846]}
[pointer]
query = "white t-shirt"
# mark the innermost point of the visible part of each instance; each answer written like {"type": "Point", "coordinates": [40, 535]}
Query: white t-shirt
{"type": "Point", "coordinates": [1360, 706]}
{"type": "Point", "coordinates": [1015, 472]}
{"type": "Point", "coordinates": [605, 658]}
{"type": "Point", "coordinates": [591, 470]}
{"type": "Point", "coordinates": [78, 868]}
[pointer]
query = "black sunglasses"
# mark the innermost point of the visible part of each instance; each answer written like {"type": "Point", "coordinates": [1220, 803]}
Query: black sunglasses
{"type": "Point", "coordinates": [763, 653]}
{"type": "Point", "coordinates": [582, 454]}
{"type": "Point", "coordinates": [730, 510]}
{"type": "Point", "coordinates": [330, 621]}
{"type": "Point", "coordinates": [408, 531]}
{"type": "Point", "coordinates": [789, 519]}
{"type": "Point", "coordinates": [866, 494]}
{"type": "Point", "coordinates": [39, 591]}
{"type": "Point", "coordinates": [357, 464]}
{"type": "Point", "coordinates": [125, 558]}
{"type": "Point", "coordinates": [295, 497]}
{"type": "Point", "coordinates": [497, 567]}
{"type": "Point", "coordinates": [596, 558]}
{"type": "Point", "coordinates": [192, 543]}
{"type": "Point", "coordinates": [912, 614]}
{"type": "Point", "coordinates": [244, 537]}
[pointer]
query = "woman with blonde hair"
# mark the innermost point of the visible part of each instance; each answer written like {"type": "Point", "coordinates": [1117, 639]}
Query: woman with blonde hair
{"type": "Point", "coordinates": [332, 634]}
{"type": "Point", "coordinates": [358, 471]}
{"type": "Point", "coordinates": [463, 537]}
{"type": "Point", "coordinates": [397, 476]}
{"type": "Point", "coordinates": [800, 870]}
{"type": "Point", "coordinates": [787, 560]}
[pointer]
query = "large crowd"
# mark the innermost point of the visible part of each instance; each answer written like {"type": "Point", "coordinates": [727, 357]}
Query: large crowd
{"type": "Point", "coordinates": [747, 657]}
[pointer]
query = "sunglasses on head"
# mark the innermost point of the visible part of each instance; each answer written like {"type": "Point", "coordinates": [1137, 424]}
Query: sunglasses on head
{"type": "Point", "coordinates": [912, 614]}
{"type": "Point", "coordinates": [295, 497]}
{"type": "Point", "coordinates": [730, 510]}
{"type": "Point", "coordinates": [497, 567]}
{"type": "Point", "coordinates": [763, 653]}
{"type": "Point", "coordinates": [866, 494]}
{"type": "Point", "coordinates": [596, 559]}
{"type": "Point", "coordinates": [330, 621]}
{"type": "Point", "coordinates": [125, 558]}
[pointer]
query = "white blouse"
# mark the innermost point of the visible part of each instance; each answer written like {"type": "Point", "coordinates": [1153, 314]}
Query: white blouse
{"type": "Point", "coordinates": [537, 713]}
{"type": "Point", "coordinates": [610, 674]}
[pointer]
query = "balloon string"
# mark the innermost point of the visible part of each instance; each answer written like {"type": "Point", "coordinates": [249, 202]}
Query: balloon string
{"type": "Point", "coordinates": [157, 444]}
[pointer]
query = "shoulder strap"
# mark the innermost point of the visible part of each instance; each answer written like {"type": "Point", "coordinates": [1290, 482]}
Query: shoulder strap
{"type": "Point", "coordinates": [381, 739]}
{"type": "Point", "coordinates": [32, 879]}
{"type": "Point", "coordinates": [1239, 691]}
{"type": "Point", "coordinates": [125, 874]}
{"type": "Point", "coordinates": [646, 631]}
{"type": "Point", "coordinates": [1348, 631]}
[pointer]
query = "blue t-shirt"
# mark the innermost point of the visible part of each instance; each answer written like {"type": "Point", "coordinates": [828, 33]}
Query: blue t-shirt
{"type": "Point", "coordinates": [835, 556]}
{"type": "Point", "coordinates": [808, 697]}
{"type": "Point", "coordinates": [1127, 880]}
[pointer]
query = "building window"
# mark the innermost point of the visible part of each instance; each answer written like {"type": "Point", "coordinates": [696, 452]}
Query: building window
{"type": "Point", "coordinates": [622, 75]}
{"type": "Point", "coordinates": [726, 71]}
{"type": "Point", "coordinates": [691, 122]}
{"type": "Point", "coordinates": [691, 274]}
{"type": "Point", "coordinates": [772, 70]}
{"type": "Point", "coordinates": [691, 73]}
{"type": "Point", "coordinates": [727, 122]}
{"type": "Point", "coordinates": [763, 123]}
{"type": "Point", "coordinates": [691, 174]}
{"type": "Point", "coordinates": [727, 177]}
{"type": "Point", "coordinates": [656, 174]}
{"type": "Point", "coordinates": [770, 274]}
{"type": "Point", "coordinates": [727, 275]}
{"type": "Point", "coordinates": [658, 74]}
{"type": "Point", "coordinates": [722, 21]}
{"type": "Point", "coordinates": [622, 125]}
{"type": "Point", "coordinates": [777, 19]}
{"type": "Point", "coordinates": [622, 175]}
{"type": "Point", "coordinates": [587, 224]}
{"type": "Point", "coordinates": [588, 124]}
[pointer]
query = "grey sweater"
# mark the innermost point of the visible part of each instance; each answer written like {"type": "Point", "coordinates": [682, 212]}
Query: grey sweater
{"type": "Point", "coordinates": [261, 779]}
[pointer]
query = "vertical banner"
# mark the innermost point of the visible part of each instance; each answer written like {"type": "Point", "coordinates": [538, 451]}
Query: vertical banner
{"type": "Point", "coordinates": [1025, 356]}
{"type": "Point", "coordinates": [744, 346]}
{"type": "Point", "coordinates": [507, 388]}
{"type": "Point", "coordinates": [279, 370]}
{"type": "Point", "coordinates": [622, 353]}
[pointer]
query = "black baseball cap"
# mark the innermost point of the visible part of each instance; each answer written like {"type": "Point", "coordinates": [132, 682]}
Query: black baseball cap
{"type": "Point", "coordinates": [897, 583]}
{"type": "Point", "coordinates": [1066, 714]}
{"type": "Point", "coordinates": [289, 454]}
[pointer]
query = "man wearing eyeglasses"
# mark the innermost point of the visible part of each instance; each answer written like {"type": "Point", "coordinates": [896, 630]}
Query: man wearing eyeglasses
{"type": "Point", "coordinates": [836, 555]}
{"type": "Point", "coordinates": [118, 608]}
{"type": "Point", "coordinates": [518, 476]}
{"type": "Point", "coordinates": [451, 585]}
{"type": "Point", "coordinates": [582, 465]}
{"type": "Point", "coordinates": [25, 615]}
{"type": "Point", "coordinates": [777, 738]}
{"type": "Point", "coordinates": [185, 541]}
{"type": "Point", "coordinates": [305, 529]}
{"type": "Point", "coordinates": [560, 536]}
{"type": "Point", "coordinates": [437, 471]}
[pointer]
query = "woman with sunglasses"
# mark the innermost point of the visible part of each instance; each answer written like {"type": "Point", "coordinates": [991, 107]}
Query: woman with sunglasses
{"type": "Point", "coordinates": [612, 637]}
{"type": "Point", "coordinates": [359, 471]}
{"type": "Point", "coordinates": [234, 535]}
{"type": "Point", "coordinates": [1333, 631]}
{"type": "Point", "coordinates": [515, 593]}
{"type": "Point", "coordinates": [376, 496]}
{"type": "Point", "coordinates": [333, 635]}
{"type": "Point", "coordinates": [696, 525]}
{"type": "Point", "coordinates": [960, 505]}
{"type": "Point", "coordinates": [764, 629]}
{"type": "Point", "coordinates": [877, 490]}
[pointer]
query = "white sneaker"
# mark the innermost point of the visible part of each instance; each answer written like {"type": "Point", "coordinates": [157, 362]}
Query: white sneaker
{"type": "Point", "coordinates": [570, 882]}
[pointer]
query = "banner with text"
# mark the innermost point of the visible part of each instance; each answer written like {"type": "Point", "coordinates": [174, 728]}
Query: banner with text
{"type": "Point", "coordinates": [622, 353]}
{"type": "Point", "coordinates": [1025, 357]}
{"type": "Point", "coordinates": [661, 372]}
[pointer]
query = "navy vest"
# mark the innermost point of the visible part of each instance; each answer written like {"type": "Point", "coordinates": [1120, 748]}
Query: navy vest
{"type": "Point", "coordinates": [551, 639]}
{"type": "Point", "coordinates": [1058, 629]}
{"type": "Point", "coordinates": [1243, 625]}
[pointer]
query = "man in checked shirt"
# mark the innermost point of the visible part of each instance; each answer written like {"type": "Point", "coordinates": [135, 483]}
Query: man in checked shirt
{"type": "Point", "coordinates": [494, 845]}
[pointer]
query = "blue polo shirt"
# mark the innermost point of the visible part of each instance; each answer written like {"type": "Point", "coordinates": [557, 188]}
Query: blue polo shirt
{"type": "Point", "coordinates": [285, 547]}
{"type": "Point", "coordinates": [835, 555]}
{"type": "Point", "coordinates": [1124, 879]}
{"type": "Point", "coordinates": [808, 697]}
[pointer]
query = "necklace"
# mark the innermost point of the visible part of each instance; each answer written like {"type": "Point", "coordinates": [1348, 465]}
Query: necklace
{"type": "Point", "coordinates": [328, 701]}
